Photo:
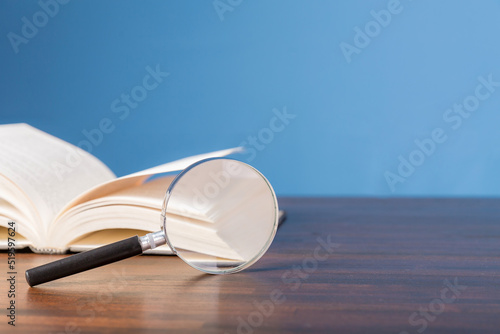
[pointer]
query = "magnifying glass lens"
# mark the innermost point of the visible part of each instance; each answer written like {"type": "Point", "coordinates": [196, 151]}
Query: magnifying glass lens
{"type": "Point", "coordinates": [220, 215]}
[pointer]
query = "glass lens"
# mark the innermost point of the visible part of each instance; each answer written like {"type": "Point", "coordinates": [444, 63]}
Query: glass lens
{"type": "Point", "coordinates": [220, 215]}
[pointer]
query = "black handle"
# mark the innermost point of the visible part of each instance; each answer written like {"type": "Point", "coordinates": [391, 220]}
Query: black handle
{"type": "Point", "coordinates": [84, 261]}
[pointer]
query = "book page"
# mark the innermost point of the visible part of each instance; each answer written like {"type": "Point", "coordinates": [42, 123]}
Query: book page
{"type": "Point", "coordinates": [139, 178]}
{"type": "Point", "coordinates": [139, 208]}
{"type": "Point", "coordinates": [50, 171]}
{"type": "Point", "coordinates": [15, 206]}
{"type": "Point", "coordinates": [180, 164]}
{"type": "Point", "coordinates": [94, 209]}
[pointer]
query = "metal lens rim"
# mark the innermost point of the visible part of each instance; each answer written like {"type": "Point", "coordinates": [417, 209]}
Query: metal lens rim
{"type": "Point", "coordinates": [249, 262]}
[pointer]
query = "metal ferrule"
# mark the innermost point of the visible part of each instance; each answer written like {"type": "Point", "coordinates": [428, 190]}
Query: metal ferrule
{"type": "Point", "coordinates": [152, 240]}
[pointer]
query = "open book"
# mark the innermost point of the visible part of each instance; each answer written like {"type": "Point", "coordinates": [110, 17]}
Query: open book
{"type": "Point", "coordinates": [63, 198]}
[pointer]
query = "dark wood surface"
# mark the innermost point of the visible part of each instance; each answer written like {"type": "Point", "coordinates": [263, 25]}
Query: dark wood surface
{"type": "Point", "coordinates": [390, 264]}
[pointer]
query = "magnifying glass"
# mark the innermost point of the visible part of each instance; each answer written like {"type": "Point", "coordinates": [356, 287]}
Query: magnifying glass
{"type": "Point", "coordinates": [219, 215]}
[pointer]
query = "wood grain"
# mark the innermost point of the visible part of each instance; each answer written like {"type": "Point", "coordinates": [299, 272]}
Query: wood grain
{"type": "Point", "coordinates": [390, 259]}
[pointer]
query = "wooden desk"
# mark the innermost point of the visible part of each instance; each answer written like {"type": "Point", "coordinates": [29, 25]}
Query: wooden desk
{"type": "Point", "coordinates": [394, 258]}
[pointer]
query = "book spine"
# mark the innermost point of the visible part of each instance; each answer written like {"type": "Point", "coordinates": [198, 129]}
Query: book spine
{"type": "Point", "coordinates": [47, 250]}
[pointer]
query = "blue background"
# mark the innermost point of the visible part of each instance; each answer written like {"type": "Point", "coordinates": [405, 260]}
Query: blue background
{"type": "Point", "coordinates": [228, 72]}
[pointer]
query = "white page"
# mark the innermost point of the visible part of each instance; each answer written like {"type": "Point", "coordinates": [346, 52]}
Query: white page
{"type": "Point", "coordinates": [32, 159]}
{"type": "Point", "coordinates": [137, 193]}
{"type": "Point", "coordinates": [183, 163]}
{"type": "Point", "coordinates": [138, 178]}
